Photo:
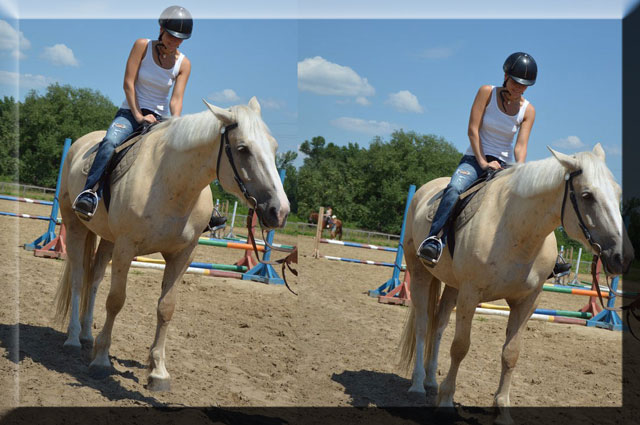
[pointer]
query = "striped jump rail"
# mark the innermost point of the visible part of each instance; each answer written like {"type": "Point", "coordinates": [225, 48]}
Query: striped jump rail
{"type": "Point", "coordinates": [573, 291]}
{"type": "Point", "coordinates": [359, 245]}
{"type": "Point", "coordinates": [227, 244]}
{"type": "Point", "coordinates": [28, 200]}
{"type": "Point", "coordinates": [259, 242]}
{"type": "Point", "coordinates": [535, 316]}
{"type": "Point", "coordinates": [355, 260]}
{"type": "Point", "coordinates": [546, 311]}
{"type": "Point", "coordinates": [35, 217]}
{"type": "Point", "coordinates": [212, 266]}
{"type": "Point", "coordinates": [190, 270]}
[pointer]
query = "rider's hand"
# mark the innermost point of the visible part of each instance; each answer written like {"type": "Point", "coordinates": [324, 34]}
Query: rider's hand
{"type": "Point", "coordinates": [150, 118]}
{"type": "Point", "coordinates": [493, 165]}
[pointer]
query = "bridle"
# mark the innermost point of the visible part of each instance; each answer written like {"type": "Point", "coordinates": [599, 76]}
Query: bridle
{"type": "Point", "coordinates": [632, 308]}
{"type": "Point", "coordinates": [293, 253]}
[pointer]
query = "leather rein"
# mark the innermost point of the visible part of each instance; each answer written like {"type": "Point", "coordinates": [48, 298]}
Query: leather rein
{"type": "Point", "coordinates": [253, 203]}
{"type": "Point", "coordinates": [632, 308]}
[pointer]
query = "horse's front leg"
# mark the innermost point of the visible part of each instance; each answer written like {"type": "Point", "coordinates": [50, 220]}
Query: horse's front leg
{"type": "Point", "coordinates": [176, 264]}
{"type": "Point", "coordinates": [465, 309]}
{"type": "Point", "coordinates": [521, 311]}
{"type": "Point", "coordinates": [123, 253]}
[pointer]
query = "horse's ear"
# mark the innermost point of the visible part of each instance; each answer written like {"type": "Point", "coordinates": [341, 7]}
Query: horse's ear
{"type": "Point", "coordinates": [255, 105]}
{"type": "Point", "coordinates": [567, 161]}
{"type": "Point", "coordinates": [598, 151]}
{"type": "Point", "coordinates": [223, 115]}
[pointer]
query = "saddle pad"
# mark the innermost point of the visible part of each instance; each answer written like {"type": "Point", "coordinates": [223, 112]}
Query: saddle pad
{"type": "Point", "coordinates": [477, 195]}
{"type": "Point", "coordinates": [119, 165]}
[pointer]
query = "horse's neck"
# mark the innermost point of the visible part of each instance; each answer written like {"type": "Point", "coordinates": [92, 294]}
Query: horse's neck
{"type": "Point", "coordinates": [530, 218]}
{"type": "Point", "coordinates": [189, 160]}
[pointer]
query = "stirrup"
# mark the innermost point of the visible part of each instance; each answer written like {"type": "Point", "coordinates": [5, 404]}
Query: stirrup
{"type": "Point", "coordinates": [86, 215]}
{"type": "Point", "coordinates": [431, 262]}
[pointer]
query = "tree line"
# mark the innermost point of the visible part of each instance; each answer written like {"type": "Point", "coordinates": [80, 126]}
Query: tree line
{"type": "Point", "coordinates": [366, 185]}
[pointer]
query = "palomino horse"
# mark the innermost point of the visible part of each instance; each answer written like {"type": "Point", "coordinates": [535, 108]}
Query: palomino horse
{"type": "Point", "coordinates": [161, 205]}
{"type": "Point", "coordinates": [505, 251]}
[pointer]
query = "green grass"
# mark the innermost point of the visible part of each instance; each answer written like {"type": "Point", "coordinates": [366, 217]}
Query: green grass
{"type": "Point", "coordinates": [28, 194]}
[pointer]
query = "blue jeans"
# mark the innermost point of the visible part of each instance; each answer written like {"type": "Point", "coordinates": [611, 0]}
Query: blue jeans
{"type": "Point", "coordinates": [122, 126]}
{"type": "Point", "coordinates": [467, 172]}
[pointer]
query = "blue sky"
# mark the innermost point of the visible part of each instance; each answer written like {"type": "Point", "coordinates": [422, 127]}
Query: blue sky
{"type": "Point", "coordinates": [358, 79]}
{"type": "Point", "coordinates": [345, 79]}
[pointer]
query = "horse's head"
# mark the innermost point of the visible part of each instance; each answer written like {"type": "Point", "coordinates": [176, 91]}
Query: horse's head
{"type": "Point", "coordinates": [253, 151]}
{"type": "Point", "coordinates": [597, 200]}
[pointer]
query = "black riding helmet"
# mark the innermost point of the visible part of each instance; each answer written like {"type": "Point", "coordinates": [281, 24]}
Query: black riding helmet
{"type": "Point", "coordinates": [522, 68]}
{"type": "Point", "coordinates": [177, 21]}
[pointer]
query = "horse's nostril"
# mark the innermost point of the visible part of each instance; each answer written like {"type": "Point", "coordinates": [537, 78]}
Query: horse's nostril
{"type": "Point", "coordinates": [617, 258]}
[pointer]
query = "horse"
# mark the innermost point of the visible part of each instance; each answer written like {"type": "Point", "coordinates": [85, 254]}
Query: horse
{"type": "Point", "coordinates": [505, 251]}
{"type": "Point", "coordinates": [336, 229]}
{"type": "Point", "coordinates": [161, 204]}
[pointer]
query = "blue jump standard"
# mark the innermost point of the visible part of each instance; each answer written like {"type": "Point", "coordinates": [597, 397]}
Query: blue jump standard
{"type": "Point", "coordinates": [50, 234]}
{"type": "Point", "coordinates": [265, 273]}
{"type": "Point", "coordinates": [608, 319]}
{"type": "Point", "coordinates": [394, 282]}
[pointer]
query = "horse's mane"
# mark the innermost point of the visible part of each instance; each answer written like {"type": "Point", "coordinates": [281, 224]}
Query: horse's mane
{"type": "Point", "coordinates": [194, 129]}
{"type": "Point", "coordinates": [536, 177]}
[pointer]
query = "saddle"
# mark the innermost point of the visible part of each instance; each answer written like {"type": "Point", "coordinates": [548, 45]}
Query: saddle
{"type": "Point", "coordinates": [122, 159]}
{"type": "Point", "coordinates": [466, 206]}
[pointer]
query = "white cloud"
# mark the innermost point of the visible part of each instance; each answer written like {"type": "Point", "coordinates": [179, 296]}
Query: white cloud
{"type": "Point", "coordinates": [226, 95]}
{"type": "Point", "coordinates": [13, 40]}
{"type": "Point", "coordinates": [271, 103]}
{"type": "Point", "coordinates": [361, 100]}
{"type": "Point", "coordinates": [320, 76]}
{"type": "Point", "coordinates": [405, 101]}
{"type": "Point", "coordinates": [25, 81]}
{"type": "Point", "coordinates": [60, 55]}
{"type": "Point", "coordinates": [571, 142]}
{"type": "Point", "coordinates": [611, 150]}
{"type": "Point", "coordinates": [375, 128]}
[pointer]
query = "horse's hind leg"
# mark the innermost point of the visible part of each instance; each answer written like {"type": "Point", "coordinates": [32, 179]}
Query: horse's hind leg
{"type": "Point", "coordinates": [521, 311]}
{"type": "Point", "coordinates": [465, 309]}
{"type": "Point", "coordinates": [123, 253]}
{"type": "Point", "coordinates": [78, 248]}
{"type": "Point", "coordinates": [176, 264]}
{"type": "Point", "coordinates": [445, 306]}
{"type": "Point", "coordinates": [102, 257]}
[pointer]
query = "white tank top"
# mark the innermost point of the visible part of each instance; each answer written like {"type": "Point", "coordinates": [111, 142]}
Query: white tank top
{"type": "Point", "coordinates": [153, 84]}
{"type": "Point", "coordinates": [497, 129]}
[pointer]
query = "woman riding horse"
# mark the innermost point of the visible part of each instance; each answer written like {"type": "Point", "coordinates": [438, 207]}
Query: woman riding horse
{"type": "Point", "coordinates": [153, 68]}
{"type": "Point", "coordinates": [497, 114]}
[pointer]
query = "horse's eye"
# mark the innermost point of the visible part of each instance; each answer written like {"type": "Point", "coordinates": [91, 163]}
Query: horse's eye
{"type": "Point", "coordinates": [587, 196]}
{"type": "Point", "coordinates": [243, 149]}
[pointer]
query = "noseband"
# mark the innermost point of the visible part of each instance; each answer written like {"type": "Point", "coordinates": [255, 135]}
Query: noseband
{"type": "Point", "coordinates": [568, 187]}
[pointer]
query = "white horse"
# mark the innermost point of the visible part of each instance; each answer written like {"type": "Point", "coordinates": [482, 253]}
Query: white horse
{"type": "Point", "coordinates": [162, 204]}
{"type": "Point", "coordinates": [505, 251]}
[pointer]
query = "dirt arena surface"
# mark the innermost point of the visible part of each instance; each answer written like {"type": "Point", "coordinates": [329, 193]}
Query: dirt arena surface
{"type": "Point", "coordinates": [246, 344]}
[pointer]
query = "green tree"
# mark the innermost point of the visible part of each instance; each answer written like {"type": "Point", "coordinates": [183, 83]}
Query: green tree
{"type": "Point", "coordinates": [9, 143]}
{"type": "Point", "coordinates": [46, 120]}
{"type": "Point", "coordinates": [285, 161]}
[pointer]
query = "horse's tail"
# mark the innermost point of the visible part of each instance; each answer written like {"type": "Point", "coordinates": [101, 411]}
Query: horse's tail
{"type": "Point", "coordinates": [63, 293]}
{"type": "Point", "coordinates": [408, 340]}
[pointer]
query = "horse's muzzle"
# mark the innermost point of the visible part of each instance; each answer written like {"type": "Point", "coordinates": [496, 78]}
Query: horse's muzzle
{"type": "Point", "coordinates": [273, 214]}
{"type": "Point", "coordinates": [617, 262]}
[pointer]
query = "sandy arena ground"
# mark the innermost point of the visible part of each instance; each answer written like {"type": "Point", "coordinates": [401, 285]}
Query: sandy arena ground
{"type": "Point", "coordinates": [241, 343]}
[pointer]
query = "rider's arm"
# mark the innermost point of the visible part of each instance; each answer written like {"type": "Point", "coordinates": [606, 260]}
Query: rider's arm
{"type": "Point", "coordinates": [520, 149]}
{"type": "Point", "coordinates": [131, 72]}
{"type": "Point", "coordinates": [475, 121]}
{"type": "Point", "coordinates": [175, 104]}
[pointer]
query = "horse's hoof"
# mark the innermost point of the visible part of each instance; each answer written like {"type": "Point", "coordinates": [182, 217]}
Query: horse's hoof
{"type": "Point", "coordinates": [100, 372]}
{"type": "Point", "coordinates": [447, 414]}
{"type": "Point", "coordinates": [417, 397]}
{"type": "Point", "coordinates": [71, 348]}
{"type": "Point", "coordinates": [159, 384]}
